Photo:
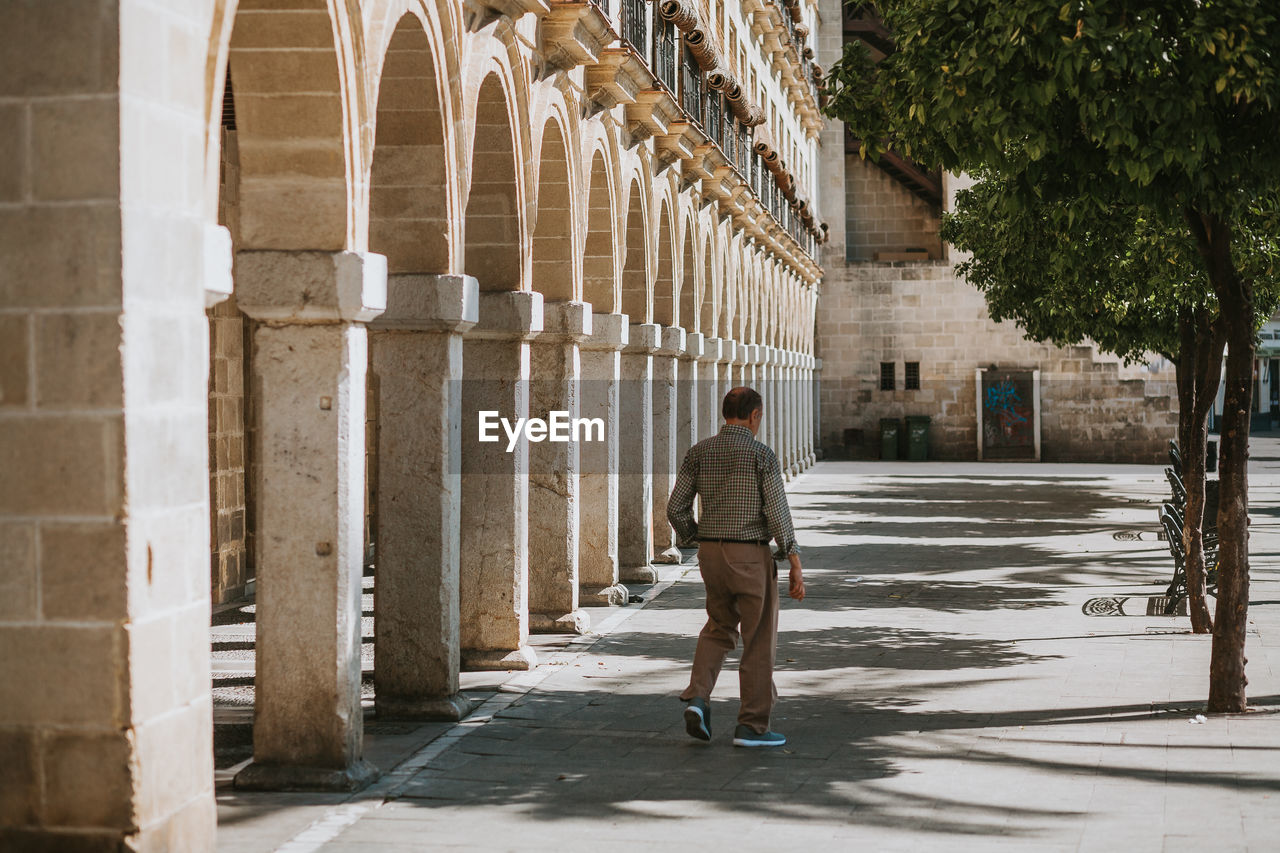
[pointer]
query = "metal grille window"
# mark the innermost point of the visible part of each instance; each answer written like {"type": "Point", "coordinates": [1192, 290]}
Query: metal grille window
{"type": "Point", "coordinates": [691, 86]}
{"type": "Point", "coordinates": [635, 25]}
{"type": "Point", "coordinates": [888, 376]}
{"type": "Point", "coordinates": [744, 147]}
{"type": "Point", "coordinates": [912, 377]}
{"type": "Point", "coordinates": [228, 105]}
{"type": "Point", "coordinates": [712, 122]}
{"type": "Point", "coordinates": [665, 53]}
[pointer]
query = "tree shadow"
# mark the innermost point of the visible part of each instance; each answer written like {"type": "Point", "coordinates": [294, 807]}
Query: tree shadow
{"type": "Point", "coordinates": [565, 757]}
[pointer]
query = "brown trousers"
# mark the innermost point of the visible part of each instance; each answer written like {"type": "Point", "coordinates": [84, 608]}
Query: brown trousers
{"type": "Point", "coordinates": [742, 599]}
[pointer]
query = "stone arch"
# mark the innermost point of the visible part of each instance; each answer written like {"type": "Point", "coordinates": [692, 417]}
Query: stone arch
{"type": "Point", "coordinates": [738, 272]}
{"type": "Point", "coordinates": [664, 283]}
{"type": "Point", "coordinates": [493, 225]}
{"type": "Point", "coordinates": [555, 273]}
{"type": "Point", "coordinates": [599, 261]}
{"type": "Point", "coordinates": [689, 295]}
{"type": "Point", "coordinates": [294, 70]}
{"type": "Point", "coordinates": [635, 268]}
{"type": "Point", "coordinates": [410, 207]}
{"type": "Point", "coordinates": [710, 311]}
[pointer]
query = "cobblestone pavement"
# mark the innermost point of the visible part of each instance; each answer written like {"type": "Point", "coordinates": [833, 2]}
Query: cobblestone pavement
{"type": "Point", "coordinates": [943, 688]}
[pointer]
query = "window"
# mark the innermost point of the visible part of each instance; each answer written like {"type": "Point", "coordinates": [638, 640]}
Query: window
{"type": "Point", "coordinates": [888, 376]}
{"type": "Point", "coordinates": [912, 377]}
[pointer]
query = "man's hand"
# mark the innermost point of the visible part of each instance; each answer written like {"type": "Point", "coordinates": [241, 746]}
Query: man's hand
{"type": "Point", "coordinates": [797, 578]}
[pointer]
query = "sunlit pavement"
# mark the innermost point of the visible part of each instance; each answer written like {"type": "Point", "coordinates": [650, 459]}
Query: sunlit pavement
{"type": "Point", "coordinates": [942, 687]}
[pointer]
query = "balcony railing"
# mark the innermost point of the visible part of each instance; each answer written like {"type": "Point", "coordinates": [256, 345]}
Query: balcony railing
{"type": "Point", "coordinates": [635, 25]}
{"type": "Point", "coordinates": [664, 53]}
{"type": "Point", "coordinates": [711, 122]}
{"type": "Point", "coordinates": [692, 88]}
{"type": "Point", "coordinates": [660, 46]}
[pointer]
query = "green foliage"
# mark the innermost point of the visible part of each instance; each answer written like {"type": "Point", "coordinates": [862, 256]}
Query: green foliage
{"type": "Point", "coordinates": [1073, 269]}
{"type": "Point", "coordinates": [1098, 128]}
{"type": "Point", "coordinates": [1170, 103]}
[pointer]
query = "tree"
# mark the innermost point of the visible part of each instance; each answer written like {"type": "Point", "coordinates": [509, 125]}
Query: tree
{"type": "Point", "coordinates": [1071, 270]}
{"type": "Point", "coordinates": [1167, 108]}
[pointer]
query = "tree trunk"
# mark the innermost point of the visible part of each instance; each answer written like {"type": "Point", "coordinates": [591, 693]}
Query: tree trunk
{"type": "Point", "coordinates": [1227, 679]}
{"type": "Point", "coordinates": [1199, 364]}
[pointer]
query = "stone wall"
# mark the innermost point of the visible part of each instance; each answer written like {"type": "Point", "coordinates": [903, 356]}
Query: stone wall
{"type": "Point", "coordinates": [1092, 410]}
{"type": "Point", "coordinates": [881, 215]}
{"type": "Point", "coordinates": [230, 560]}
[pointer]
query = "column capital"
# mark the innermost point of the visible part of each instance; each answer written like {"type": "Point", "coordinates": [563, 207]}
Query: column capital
{"type": "Point", "coordinates": [694, 344]}
{"type": "Point", "coordinates": [815, 363]}
{"type": "Point", "coordinates": [508, 315]}
{"type": "Point", "coordinates": [743, 353]}
{"type": "Point", "coordinates": [430, 303]}
{"type": "Point", "coordinates": [645, 338]}
{"type": "Point", "coordinates": [609, 333]}
{"type": "Point", "coordinates": [565, 322]}
{"type": "Point", "coordinates": [728, 350]}
{"type": "Point", "coordinates": [305, 287]}
{"type": "Point", "coordinates": [710, 349]}
{"type": "Point", "coordinates": [670, 341]}
{"type": "Point", "coordinates": [772, 355]}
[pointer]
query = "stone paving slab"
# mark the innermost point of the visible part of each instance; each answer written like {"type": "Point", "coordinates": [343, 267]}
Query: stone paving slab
{"type": "Point", "coordinates": [942, 689]}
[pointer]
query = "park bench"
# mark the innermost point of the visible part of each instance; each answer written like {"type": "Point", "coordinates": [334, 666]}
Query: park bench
{"type": "Point", "coordinates": [1172, 515]}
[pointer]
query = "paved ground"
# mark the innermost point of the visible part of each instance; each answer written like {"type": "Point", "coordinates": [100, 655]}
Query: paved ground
{"type": "Point", "coordinates": [942, 687]}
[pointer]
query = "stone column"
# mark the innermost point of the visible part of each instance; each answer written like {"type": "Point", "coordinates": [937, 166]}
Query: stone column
{"type": "Point", "coordinates": [416, 348]}
{"type": "Point", "coordinates": [728, 355]}
{"type": "Point", "coordinates": [747, 355]}
{"type": "Point", "coordinates": [554, 497]}
{"type": "Point", "coordinates": [802, 407]}
{"type": "Point", "coordinates": [767, 386]}
{"type": "Point", "coordinates": [690, 396]}
{"type": "Point", "coordinates": [666, 379]}
{"type": "Point", "coordinates": [810, 392]}
{"type": "Point", "coordinates": [635, 441]}
{"type": "Point", "coordinates": [709, 392]}
{"type": "Point", "coordinates": [815, 407]}
{"type": "Point", "coordinates": [791, 424]}
{"type": "Point", "coordinates": [494, 588]}
{"type": "Point", "coordinates": [741, 358]}
{"type": "Point", "coordinates": [598, 461]}
{"type": "Point", "coordinates": [310, 362]}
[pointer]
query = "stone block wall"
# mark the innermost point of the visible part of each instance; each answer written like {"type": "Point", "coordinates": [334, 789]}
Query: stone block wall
{"type": "Point", "coordinates": [228, 451]}
{"type": "Point", "coordinates": [1092, 409]}
{"type": "Point", "coordinates": [881, 215]}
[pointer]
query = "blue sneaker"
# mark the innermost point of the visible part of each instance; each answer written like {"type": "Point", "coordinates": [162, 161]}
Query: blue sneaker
{"type": "Point", "coordinates": [747, 736]}
{"type": "Point", "coordinates": [697, 719]}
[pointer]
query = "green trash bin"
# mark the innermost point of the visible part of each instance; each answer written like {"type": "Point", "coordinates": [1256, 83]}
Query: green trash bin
{"type": "Point", "coordinates": [917, 437]}
{"type": "Point", "coordinates": [889, 429]}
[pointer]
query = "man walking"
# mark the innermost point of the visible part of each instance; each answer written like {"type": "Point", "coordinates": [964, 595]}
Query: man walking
{"type": "Point", "coordinates": [743, 506]}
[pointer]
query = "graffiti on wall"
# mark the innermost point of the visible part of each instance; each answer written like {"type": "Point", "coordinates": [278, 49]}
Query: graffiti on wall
{"type": "Point", "coordinates": [1008, 414]}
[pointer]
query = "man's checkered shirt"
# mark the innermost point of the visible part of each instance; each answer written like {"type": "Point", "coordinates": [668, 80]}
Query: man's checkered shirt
{"type": "Point", "coordinates": [743, 497]}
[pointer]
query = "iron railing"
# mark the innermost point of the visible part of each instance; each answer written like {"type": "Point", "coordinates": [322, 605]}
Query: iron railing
{"type": "Point", "coordinates": [691, 86]}
{"type": "Point", "coordinates": [711, 122]}
{"type": "Point", "coordinates": [664, 53]}
{"type": "Point", "coordinates": [635, 25]}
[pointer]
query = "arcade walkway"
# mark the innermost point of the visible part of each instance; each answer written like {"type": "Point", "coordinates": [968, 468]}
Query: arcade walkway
{"type": "Point", "coordinates": [942, 687]}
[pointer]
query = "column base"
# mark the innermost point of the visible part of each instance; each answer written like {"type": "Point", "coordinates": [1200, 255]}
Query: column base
{"type": "Point", "coordinates": [296, 777]}
{"type": "Point", "coordinates": [574, 622]}
{"type": "Point", "coordinates": [431, 708]}
{"type": "Point", "coordinates": [638, 574]}
{"type": "Point", "coordinates": [494, 660]}
{"type": "Point", "coordinates": [610, 596]}
{"type": "Point", "coordinates": [670, 556]}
